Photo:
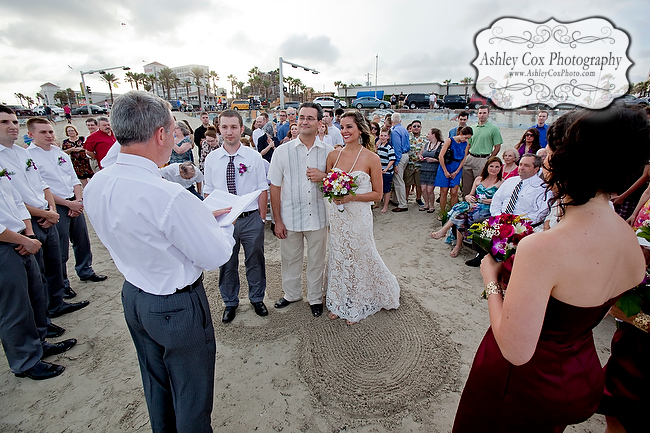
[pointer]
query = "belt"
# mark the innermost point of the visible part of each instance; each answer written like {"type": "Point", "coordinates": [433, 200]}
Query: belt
{"type": "Point", "coordinates": [192, 286]}
{"type": "Point", "coordinates": [479, 156]}
{"type": "Point", "coordinates": [245, 214]}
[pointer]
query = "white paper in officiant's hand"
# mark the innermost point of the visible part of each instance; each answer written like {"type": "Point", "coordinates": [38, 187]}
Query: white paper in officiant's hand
{"type": "Point", "coordinates": [220, 199]}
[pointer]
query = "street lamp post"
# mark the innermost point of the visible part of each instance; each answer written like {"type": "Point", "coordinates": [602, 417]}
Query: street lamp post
{"type": "Point", "coordinates": [83, 82]}
{"type": "Point", "coordinates": [294, 65]}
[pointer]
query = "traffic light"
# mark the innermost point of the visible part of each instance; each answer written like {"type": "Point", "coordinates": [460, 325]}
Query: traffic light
{"type": "Point", "coordinates": [88, 90]}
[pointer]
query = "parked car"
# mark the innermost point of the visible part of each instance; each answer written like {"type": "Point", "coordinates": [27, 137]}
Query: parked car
{"type": "Point", "coordinates": [240, 104]}
{"type": "Point", "coordinates": [95, 109]}
{"type": "Point", "coordinates": [287, 104]}
{"type": "Point", "coordinates": [476, 100]}
{"type": "Point", "coordinates": [328, 102]}
{"type": "Point", "coordinates": [416, 100]}
{"type": "Point", "coordinates": [453, 101]}
{"type": "Point", "coordinates": [40, 110]}
{"type": "Point", "coordinates": [369, 102]}
{"type": "Point", "coordinates": [21, 111]}
{"type": "Point", "coordinates": [631, 101]}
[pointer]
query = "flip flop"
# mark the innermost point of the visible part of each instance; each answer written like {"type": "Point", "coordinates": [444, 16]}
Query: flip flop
{"type": "Point", "coordinates": [431, 210]}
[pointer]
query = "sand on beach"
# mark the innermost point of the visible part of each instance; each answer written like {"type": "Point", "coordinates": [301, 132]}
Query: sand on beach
{"type": "Point", "coordinates": [397, 371]}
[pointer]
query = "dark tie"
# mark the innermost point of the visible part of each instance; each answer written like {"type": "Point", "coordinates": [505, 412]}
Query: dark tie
{"type": "Point", "coordinates": [514, 197]}
{"type": "Point", "coordinates": [230, 176]}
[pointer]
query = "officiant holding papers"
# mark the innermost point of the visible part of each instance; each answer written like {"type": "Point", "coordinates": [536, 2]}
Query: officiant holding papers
{"type": "Point", "coordinates": [239, 170]}
{"type": "Point", "coordinates": [142, 220]}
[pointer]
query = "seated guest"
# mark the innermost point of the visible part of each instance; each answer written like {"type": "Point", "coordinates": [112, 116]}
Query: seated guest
{"type": "Point", "coordinates": [510, 164]}
{"type": "Point", "coordinates": [520, 195]}
{"type": "Point", "coordinates": [529, 142]}
{"type": "Point", "coordinates": [184, 174]}
{"type": "Point", "coordinates": [476, 208]}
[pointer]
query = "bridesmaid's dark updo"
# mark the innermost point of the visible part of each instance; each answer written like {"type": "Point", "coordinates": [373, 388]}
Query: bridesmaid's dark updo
{"type": "Point", "coordinates": [581, 165]}
{"type": "Point", "coordinates": [362, 124]}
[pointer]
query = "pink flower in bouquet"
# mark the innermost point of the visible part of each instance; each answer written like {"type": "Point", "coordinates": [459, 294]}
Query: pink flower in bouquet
{"type": "Point", "coordinates": [338, 184]}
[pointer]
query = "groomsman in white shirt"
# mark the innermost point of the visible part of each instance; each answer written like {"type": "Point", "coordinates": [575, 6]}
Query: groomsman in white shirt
{"type": "Point", "coordinates": [240, 170]}
{"type": "Point", "coordinates": [297, 168]}
{"type": "Point", "coordinates": [39, 201]}
{"type": "Point", "coordinates": [143, 220]}
{"type": "Point", "coordinates": [56, 169]}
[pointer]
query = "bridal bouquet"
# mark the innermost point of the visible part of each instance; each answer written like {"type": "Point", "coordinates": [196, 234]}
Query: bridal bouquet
{"type": "Point", "coordinates": [499, 235]}
{"type": "Point", "coordinates": [338, 184]}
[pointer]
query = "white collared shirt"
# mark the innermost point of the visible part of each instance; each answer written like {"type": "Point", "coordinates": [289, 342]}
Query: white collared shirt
{"type": "Point", "coordinates": [172, 173]}
{"type": "Point", "coordinates": [12, 209]}
{"type": "Point", "coordinates": [26, 179]}
{"type": "Point", "coordinates": [159, 235]}
{"type": "Point", "coordinates": [56, 169]}
{"type": "Point", "coordinates": [531, 201]}
{"type": "Point", "coordinates": [257, 134]}
{"type": "Point", "coordinates": [301, 201]}
{"type": "Point", "coordinates": [250, 180]}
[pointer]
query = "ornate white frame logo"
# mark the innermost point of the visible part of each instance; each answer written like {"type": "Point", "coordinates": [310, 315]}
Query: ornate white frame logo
{"type": "Point", "coordinates": [581, 63]}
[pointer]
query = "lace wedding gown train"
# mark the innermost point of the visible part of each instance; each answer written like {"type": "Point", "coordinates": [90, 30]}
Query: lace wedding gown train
{"type": "Point", "coordinates": [359, 283]}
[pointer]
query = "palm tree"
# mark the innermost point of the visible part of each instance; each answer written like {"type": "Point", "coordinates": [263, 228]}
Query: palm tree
{"type": "Point", "coordinates": [466, 81]}
{"type": "Point", "coordinates": [130, 78]}
{"type": "Point", "coordinates": [240, 86]}
{"type": "Point", "coordinates": [215, 77]}
{"type": "Point", "coordinates": [39, 97]}
{"type": "Point", "coordinates": [198, 74]}
{"type": "Point", "coordinates": [20, 97]}
{"type": "Point", "coordinates": [30, 101]}
{"type": "Point", "coordinates": [166, 79]}
{"type": "Point", "coordinates": [187, 84]}
{"type": "Point", "coordinates": [266, 84]}
{"type": "Point", "coordinates": [177, 82]}
{"type": "Point", "coordinates": [111, 80]}
{"type": "Point", "coordinates": [233, 82]}
{"type": "Point", "coordinates": [447, 81]}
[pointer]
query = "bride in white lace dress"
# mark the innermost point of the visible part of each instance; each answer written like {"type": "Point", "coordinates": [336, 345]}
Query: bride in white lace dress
{"type": "Point", "coordinates": [359, 283]}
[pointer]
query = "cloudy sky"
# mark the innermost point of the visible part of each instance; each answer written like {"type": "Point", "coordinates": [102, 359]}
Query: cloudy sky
{"type": "Point", "coordinates": [416, 41]}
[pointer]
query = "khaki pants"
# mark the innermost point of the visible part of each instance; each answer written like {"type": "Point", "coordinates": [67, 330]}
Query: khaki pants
{"type": "Point", "coordinates": [398, 181]}
{"type": "Point", "coordinates": [292, 250]}
{"type": "Point", "coordinates": [471, 170]}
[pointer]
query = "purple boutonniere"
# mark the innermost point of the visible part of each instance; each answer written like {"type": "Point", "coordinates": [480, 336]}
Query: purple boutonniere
{"type": "Point", "coordinates": [6, 173]}
{"type": "Point", "coordinates": [61, 160]}
{"type": "Point", "coordinates": [30, 164]}
{"type": "Point", "coordinates": [242, 169]}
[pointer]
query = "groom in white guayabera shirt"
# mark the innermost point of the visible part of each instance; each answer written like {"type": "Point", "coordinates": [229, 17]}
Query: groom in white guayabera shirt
{"type": "Point", "coordinates": [297, 203]}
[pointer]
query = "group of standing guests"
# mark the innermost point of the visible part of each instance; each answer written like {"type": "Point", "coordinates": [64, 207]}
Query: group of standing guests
{"type": "Point", "coordinates": [41, 213]}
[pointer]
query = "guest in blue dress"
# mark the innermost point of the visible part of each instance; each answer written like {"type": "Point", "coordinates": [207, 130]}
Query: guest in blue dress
{"type": "Point", "coordinates": [450, 171]}
{"type": "Point", "coordinates": [476, 208]}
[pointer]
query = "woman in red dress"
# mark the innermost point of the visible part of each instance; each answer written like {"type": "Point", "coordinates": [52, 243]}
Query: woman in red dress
{"type": "Point", "coordinates": [537, 369]}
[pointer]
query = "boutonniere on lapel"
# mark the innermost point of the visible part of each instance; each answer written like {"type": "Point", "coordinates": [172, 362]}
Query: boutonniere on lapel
{"type": "Point", "coordinates": [30, 165]}
{"type": "Point", "coordinates": [61, 160]}
{"type": "Point", "coordinates": [5, 173]}
{"type": "Point", "coordinates": [243, 169]}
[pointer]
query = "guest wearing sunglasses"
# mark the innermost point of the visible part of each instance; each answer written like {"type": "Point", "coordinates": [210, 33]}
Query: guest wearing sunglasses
{"type": "Point", "coordinates": [529, 142]}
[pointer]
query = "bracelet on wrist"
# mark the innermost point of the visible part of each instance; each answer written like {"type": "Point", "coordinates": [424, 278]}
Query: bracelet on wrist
{"type": "Point", "coordinates": [31, 236]}
{"type": "Point", "coordinates": [492, 288]}
{"type": "Point", "coordinates": [642, 321]}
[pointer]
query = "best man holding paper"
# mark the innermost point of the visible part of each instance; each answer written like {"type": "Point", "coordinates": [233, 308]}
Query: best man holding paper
{"type": "Point", "coordinates": [240, 170]}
